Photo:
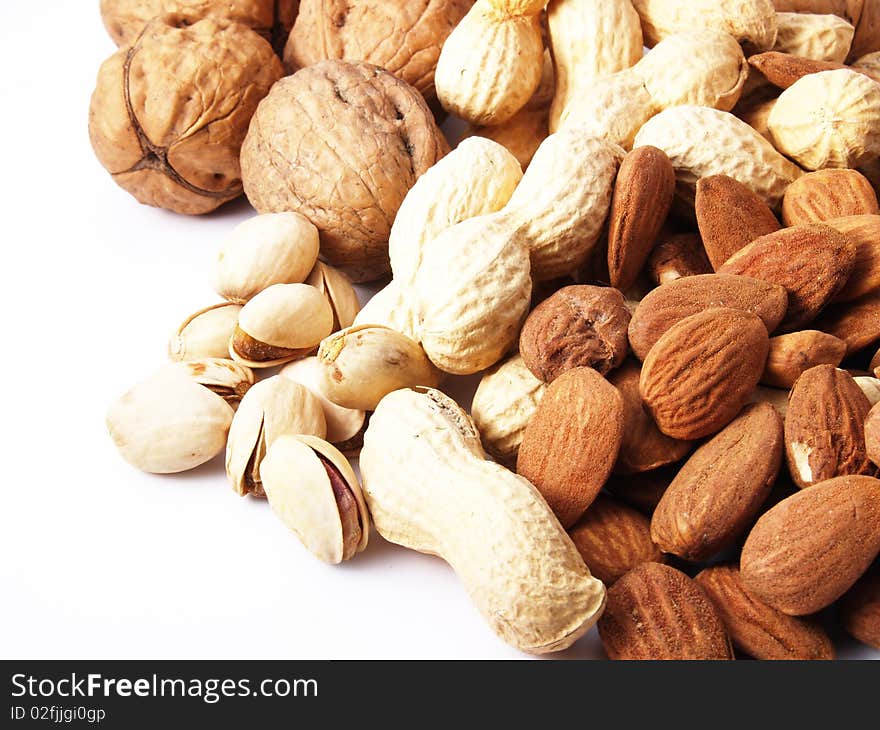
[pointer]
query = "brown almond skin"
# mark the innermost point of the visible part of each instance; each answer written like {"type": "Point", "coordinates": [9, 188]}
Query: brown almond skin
{"type": "Point", "coordinates": [808, 550]}
{"type": "Point", "coordinates": [812, 262]}
{"type": "Point", "coordinates": [655, 612]}
{"type": "Point", "coordinates": [760, 630]}
{"type": "Point", "coordinates": [613, 539]}
{"type": "Point", "coordinates": [720, 489]}
{"type": "Point", "coordinates": [872, 434]}
{"type": "Point", "coordinates": [860, 609]}
{"type": "Point", "coordinates": [642, 491]}
{"type": "Point", "coordinates": [784, 69]}
{"type": "Point", "coordinates": [856, 323]}
{"type": "Point", "coordinates": [572, 442]}
{"type": "Point", "coordinates": [703, 370]}
{"type": "Point", "coordinates": [793, 354]}
{"type": "Point", "coordinates": [730, 216]}
{"type": "Point", "coordinates": [639, 207]}
{"type": "Point", "coordinates": [678, 256]}
{"type": "Point", "coordinates": [863, 231]}
{"type": "Point", "coordinates": [669, 304]}
{"type": "Point", "coordinates": [644, 446]}
{"type": "Point", "coordinates": [824, 195]}
{"type": "Point", "coordinates": [578, 326]}
{"type": "Point", "coordinates": [825, 427]}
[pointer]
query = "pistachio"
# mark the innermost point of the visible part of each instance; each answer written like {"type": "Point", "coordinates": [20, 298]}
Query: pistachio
{"type": "Point", "coordinates": [272, 408]}
{"type": "Point", "coordinates": [362, 364]}
{"type": "Point", "coordinates": [227, 378]}
{"type": "Point", "coordinates": [314, 491]}
{"type": "Point", "coordinates": [344, 425]}
{"type": "Point", "coordinates": [282, 323]}
{"type": "Point", "coordinates": [205, 333]}
{"type": "Point", "coordinates": [274, 248]}
{"type": "Point", "coordinates": [336, 286]}
{"type": "Point", "coordinates": [169, 423]}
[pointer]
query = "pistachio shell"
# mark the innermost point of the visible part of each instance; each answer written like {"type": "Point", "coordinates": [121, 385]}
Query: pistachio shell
{"type": "Point", "coordinates": [205, 333]}
{"type": "Point", "coordinates": [169, 423]}
{"type": "Point", "coordinates": [273, 248]}
{"type": "Point", "coordinates": [338, 290]}
{"type": "Point", "coordinates": [272, 408]}
{"type": "Point", "coordinates": [227, 378]}
{"type": "Point", "coordinates": [289, 316]}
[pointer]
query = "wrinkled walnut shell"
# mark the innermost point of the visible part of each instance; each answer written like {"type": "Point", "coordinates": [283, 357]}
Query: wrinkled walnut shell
{"type": "Point", "coordinates": [402, 36]}
{"type": "Point", "coordinates": [170, 112]}
{"type": "Point", "coordinates": [341, 143]}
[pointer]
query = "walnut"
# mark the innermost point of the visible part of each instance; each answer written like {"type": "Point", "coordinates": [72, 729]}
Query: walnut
{"type": "Point", "coordinates": [341, 143]}
{"type": "Point", "coordinates": [402, 36]}
{"type": "Point", "coordinates": [169, 113]}
{"type": "Point", "coordinates": [272, 19]}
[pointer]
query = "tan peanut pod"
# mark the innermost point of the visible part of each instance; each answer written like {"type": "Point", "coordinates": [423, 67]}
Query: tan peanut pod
{"type": "Point", "coordinates": [590, 38]}
{"type": "Point", "coordinates": [491, 63]}
{"type": "Point", "coordinates": [389, 307]}
{"type": "Point", "coordinates": [205, 333]}
{"type": "Point", "coordinates": [361, 365]}
{"type": "Point", "coordinates": [339, 292]}
{"type": "Point", "coordinates": [506, 399]}
{"type": "Point", "coordinates": [869, 65]}
{"type": "Point", "coordinates": [821, 37]}
{"type": "Point", "coordinates": [871, 388]}
{"type": "Point", "coordinates": [476, 178]}
{"type": "Point", "coordinates": [749, 21]}
{"type": "Point", "coordinates": [731, 148]}
{"type": "Point", "coordinates": [828, 119]}
{"type": "Point", "coordinates": [490, 525]}
{"type": "Point", "coordinates": [863, 14]}
{"type": "Point", "coordinates": [315, 492]}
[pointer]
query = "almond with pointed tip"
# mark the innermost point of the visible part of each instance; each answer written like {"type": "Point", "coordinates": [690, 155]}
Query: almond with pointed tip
{"type": "Point", "coordinates": [784, 69]}
{"type": "Point", "coordinates": [640, 204]}
{"type": "Point", "coordinates": [860, 609]}
{"type": "Point", "coordinates": [827, 194]}
{"type": "Point", "coordinates": [793, 354]}
{"type": "Point", "coordinates": [730, 217]}
{"type": "Point", "coordinates": [863, 231]}
{"type": "Point", "coordinates": [808, 550]}
{"type": "Point", "coordinates": [857, 323]}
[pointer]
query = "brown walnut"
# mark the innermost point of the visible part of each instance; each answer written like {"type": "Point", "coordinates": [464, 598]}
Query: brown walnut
{"type": "Point", "coordinates": [341, 143]}
{"type": "Point", "coordinates": [402, 36]}
{"type": "Point", "coordinates": [170, 112]}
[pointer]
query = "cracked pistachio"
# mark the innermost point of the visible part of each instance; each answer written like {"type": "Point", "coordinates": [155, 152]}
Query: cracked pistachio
{"type": "Point", "coordinates": [340, 293]}
{"type": "Point", "coordinates": [169, 423]}
{"type": "Point", "coordinates": [314, 491]}
{"type": "Point", "coordinates": [282, 323]}
{"type": "Point", "coordinates": [272, 408]}
{"type": "Point", "coordinates": [362, 364]}
{"type": "Point", "coordinates": [274, 248]}
{"type": "Point", "coordinates": [344, 425]}
{"type": "Point", "coordinates": [227, 378]}
{"type": "Point", "coordinates": [205, 333]}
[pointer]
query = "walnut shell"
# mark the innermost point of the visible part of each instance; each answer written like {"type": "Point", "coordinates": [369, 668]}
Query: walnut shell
{"type": "Point", "coordinates": [169, 113]}
{"type": "Point", "coordinates": [341, 143]}
{"type": "Point", "coordinates": [402, 36]}
{"type": "Point", "coordinates": [272, 19]}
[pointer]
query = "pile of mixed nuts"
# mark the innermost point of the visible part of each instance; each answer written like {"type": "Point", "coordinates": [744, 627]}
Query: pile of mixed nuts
{"type": "Point", "coordinates": [664, 266]}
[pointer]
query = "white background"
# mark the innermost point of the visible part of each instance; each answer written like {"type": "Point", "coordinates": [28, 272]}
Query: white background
{"type": "Point", "coordinates": [96, 559]}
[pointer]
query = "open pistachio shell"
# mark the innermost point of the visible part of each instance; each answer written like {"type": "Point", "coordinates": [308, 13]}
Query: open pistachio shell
{"type": "Point", "coordinates": [272, 408]}
{"type": "Point", "coordinates": [205, 333]}
{"type": "Point", "coordinates": [338, 290]}
{"type": "Point", "coordinates": [314, 491]}
{"type": "Point", "coordinates": [227, 378]}
{"type": "Point", "coordinates": [289, 316]}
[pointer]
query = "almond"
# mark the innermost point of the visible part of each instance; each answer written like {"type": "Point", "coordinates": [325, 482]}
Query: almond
{"type": "Point", "coordinates": [863, 231]}
{"type": "Point", "coordinates": [856, 323]}
{"type": "Point", "coordinates": [613, 539]}
{"type": "Point", "coordinates": [792, 354]}
{"type": "Point", "coordinates": [640, 205]}
{"type": "Point", "coordinates": [644, 446]}
{"type": "Point", "coordinates": [669, 304]}
{"type": "Point", "coordinates": [720, 489]}
{"type": "Point", "coordinates": [825, 427]}
{"type": "Point", "coordinates": [702, 371]}
{"type": "Point", "coordinates": [827, 194]}
{"type": "Point", "coordinates": [812, 262]}
{"type": "Point", "coordinates": [730, 217]}
{"type": "Point", "coordinates": [678, 256]}
{"type": "Point", "coordinates": [760, 630]}
{"type": "Point", "coordinates": [860, 609]}
{"type": "Point", "coordinates": [572, 441]}
{"type": "Point", "coordinates": [809, 549]}
{"type": "Point", "coordinates": [642, 491]}
{"type": "Point", "coordinates": [783, 69]}
{"type": "Point", "coordinates": [578, 326]}
{"type": "Point", "coordinates": [656, 612]}
{"type": "Point", "coordinates": [872, 434]}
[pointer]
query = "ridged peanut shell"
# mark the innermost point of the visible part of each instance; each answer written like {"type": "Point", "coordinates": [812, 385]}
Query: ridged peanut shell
{"type": "Point", "coordinates": [820, 36]}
